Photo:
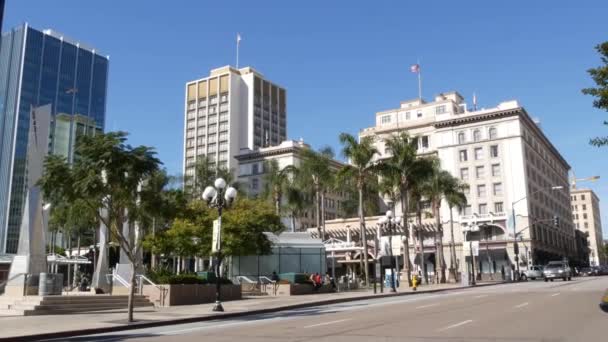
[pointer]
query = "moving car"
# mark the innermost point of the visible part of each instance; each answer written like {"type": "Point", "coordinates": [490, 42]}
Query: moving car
{"type": "Point", "coordinates": [533, 273]}
{"type": "Point", "coordinates": [556, 270]}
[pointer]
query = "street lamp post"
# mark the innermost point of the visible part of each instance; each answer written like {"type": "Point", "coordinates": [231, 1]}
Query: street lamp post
{"type": "Point", "coordinates": [219, 197]}
{"type": "Point", "coordinates": [465, 232]}
{"type": "Point", "coordinates": [389, 220]}
{"type": "Point", "coordinates": [515, 246]}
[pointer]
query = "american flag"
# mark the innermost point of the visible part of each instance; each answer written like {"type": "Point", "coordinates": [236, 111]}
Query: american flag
{"type": "Point", "coordinates": [415, 68]}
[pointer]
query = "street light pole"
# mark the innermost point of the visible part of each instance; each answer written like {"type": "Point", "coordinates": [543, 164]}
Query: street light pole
{"type": "Point", "coordinates": [515, 246]}
{"type": "Point", "coordinates": [219, 197]}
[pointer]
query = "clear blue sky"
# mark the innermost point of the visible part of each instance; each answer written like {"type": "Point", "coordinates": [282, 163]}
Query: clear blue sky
{"type": "Point", "coordinates": [342, 62]}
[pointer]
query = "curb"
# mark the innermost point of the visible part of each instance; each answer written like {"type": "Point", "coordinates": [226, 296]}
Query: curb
{"type": "Point", "coordinates": [144, 325]}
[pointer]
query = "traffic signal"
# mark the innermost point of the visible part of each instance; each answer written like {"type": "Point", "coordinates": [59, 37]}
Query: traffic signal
{"type": "Point", "coordinates": [556, 221]}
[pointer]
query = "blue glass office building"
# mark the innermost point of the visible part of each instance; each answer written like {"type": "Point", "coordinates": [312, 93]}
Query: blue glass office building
{"type": "Point", "coordinates": [39, 68]}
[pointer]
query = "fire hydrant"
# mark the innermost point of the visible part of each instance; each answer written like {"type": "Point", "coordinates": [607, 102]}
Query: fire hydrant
{"type": "Point", "coordinates": [414, 282]}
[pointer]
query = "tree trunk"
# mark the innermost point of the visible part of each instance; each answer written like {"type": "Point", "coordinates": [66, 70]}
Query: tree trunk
{"type": "Point", "coordinates": [425, 274]}
{"type": "Point", "coordinates": [69, 282]}
{"type": "Point", "coordinates": [323, 213]}
{"type": "Point", "coordinates": [406, 239]}
{"type": "Point", "coordinates": [318, 212]}
{"type": "Point", "coordinates": [363, 236]}
{"type": "Point", "coordinates": [440, 264]}
{"type": "Point", "coordinates": [153, 256]}
{"type": "Point", "coordinates": [453, 265]}
{"type": "Point", "coordinates": [293, 223]}
{"type": "Point", "coordinates": [277, 203]}
{"type": "Point", "coordinates": [131, 294]}
{"type": "Point", "coordinates": [74, 284]}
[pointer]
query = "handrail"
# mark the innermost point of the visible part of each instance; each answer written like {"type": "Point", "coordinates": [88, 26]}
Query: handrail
{"type": "Point", "coordinates": [265, 280]}
{"type": "Point", "coordinates": [121, 280]}
{"type": "Point", "coordinates": [161, 288]}
{"type": "Point", "coordinates": [247, 280]}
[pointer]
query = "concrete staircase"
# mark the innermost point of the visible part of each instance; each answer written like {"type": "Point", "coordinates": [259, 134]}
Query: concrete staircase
{"type": "Point", "coordinates": [57, 305]}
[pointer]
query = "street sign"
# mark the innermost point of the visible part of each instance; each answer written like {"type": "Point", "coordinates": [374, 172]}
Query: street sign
{"type": "Point", "coordinates": [378, 269]}
{"type": "Point", "coordinates": [475, 247]}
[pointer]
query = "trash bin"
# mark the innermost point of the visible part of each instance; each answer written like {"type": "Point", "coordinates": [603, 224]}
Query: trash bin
{"type": "Point", "coordinates": [50, 284]}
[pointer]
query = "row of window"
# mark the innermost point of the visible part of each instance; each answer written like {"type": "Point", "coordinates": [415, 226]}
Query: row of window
{"type": "Point", "coordinates": [483, 209]}
{"type": "Point", "coordinates": [573, 197]}
{"type": "Point", "coordinates": [477, 135]}
{"type": "Point", "coordinates": [575, 207]}
{"type": "Point", "coordinates": [478, 153]}
{"type": "Point", "coordinates": [388, 118]}
{"type": "Point", "coordinates": [584, 216]}
{"type": "Point", "coordinates": [481, 190]}
{"type": "Point", "coordinates": [586, 225]}
{"type": "Point", "coordinates": [480, 172]}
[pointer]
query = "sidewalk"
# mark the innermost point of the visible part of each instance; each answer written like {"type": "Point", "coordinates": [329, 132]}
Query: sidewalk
{"type": "Point", "coordinates": [57, 326]}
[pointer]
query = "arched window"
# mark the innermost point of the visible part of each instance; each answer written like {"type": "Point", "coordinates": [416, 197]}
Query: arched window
{"type": "Point", "coordinates": [476, 135]}
{"type": "Point", "coordinates": [461, 138]}
{"type": "Point", "coordinates": [492, 133]}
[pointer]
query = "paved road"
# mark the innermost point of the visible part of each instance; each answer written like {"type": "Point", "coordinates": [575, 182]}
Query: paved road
{"type": "Point", "coordinates": [532, 311]}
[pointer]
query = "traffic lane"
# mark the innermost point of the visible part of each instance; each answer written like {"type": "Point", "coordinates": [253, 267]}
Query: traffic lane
{"type": "Point", "coordinates": [262, 319]}
{"type": "Point", "coordinates": [417, 302]}
{"type": "Point", "coordinates": [565, 316]}
{"type": "Point", "coordinates": [444, 320]}
{"type": "Point", "coordinates": [390, 321]}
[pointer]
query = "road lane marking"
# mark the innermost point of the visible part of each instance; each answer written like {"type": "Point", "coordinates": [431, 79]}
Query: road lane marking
{"type": "Point", "coordinates": [327, 323]}
{"type": "Point", "coordinates": [427, 306]}
{"type": "Point", "coordinates": [555, 294]}
{"type": "Point", "coordinates": [481, 296]}
{"type": "Point", "coordinates": [521, 305]}
{"type": "Point", "coordinates": [456, 325]}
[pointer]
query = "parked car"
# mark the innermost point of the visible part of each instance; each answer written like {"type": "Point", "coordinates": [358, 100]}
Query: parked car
{"type": "Point", "coordinates": [587, 271]}
{"type": "Point", "coordinates": [556, 270]}
{"type": "Point", "coordinates": [533, 273]}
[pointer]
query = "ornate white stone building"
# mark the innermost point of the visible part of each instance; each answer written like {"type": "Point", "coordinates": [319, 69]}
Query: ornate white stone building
{"type": "Point", "coordinates": [512, 169]}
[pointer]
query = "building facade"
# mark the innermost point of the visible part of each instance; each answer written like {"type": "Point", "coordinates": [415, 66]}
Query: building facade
{"type": "Point", "coordinates": [587, 219]}
{"type": "Point", "coordinates": [39, 68]}
{"type": "Point", "coordinates": [229, 110]}
{"type": "Point", "coordinates": [251, 173]}
{"type": "Point", "coordinates": [510, 167]}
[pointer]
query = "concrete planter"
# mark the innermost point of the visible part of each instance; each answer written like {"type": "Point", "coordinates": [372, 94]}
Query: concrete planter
{"type": "Point", "coordinates": [294, 289]}
{"type": "Point", "coordinates": [189, 294]}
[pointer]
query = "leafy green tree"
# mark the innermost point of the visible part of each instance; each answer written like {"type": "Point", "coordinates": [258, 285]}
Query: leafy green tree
{"type": "Point", "coordinates": [276, 179]}
{"type": "Point", "coordinates": [600, 77]}
{"type": "Point", "coordinates": [316, 175]}
{"type": "Point", "coordinates": [404, 167]}
{"type": "Point", "coordinates": [108, 174]}
{"type": "Point", "coordinates": [361, 171]}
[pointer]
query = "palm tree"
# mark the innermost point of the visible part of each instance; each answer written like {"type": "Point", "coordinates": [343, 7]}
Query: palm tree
{"type": "Point", "coordinates": [315, 174]}
{"type": "Point", "coordinates": [405, 167]}
{"type": "Point", "coordinates": [297, 203]}
{"type": "Point", "coordinates": [362, 170]}
{"type": "Point", "coordinates": [205, 173]}
{"type": "Point", "coordinates": [416, 201]}
{"type": "Point", "coordinates": [276, 180]}
{"type": "Point", "coordinates": [455, 198]}
{"type": "Point", "coordinates": [438, 186]}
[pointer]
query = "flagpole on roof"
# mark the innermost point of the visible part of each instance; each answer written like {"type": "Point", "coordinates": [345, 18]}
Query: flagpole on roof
{"type": "Point", "coordinates": [419, 81]}
{"type": "Point", "coordinates": [238, 42]}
